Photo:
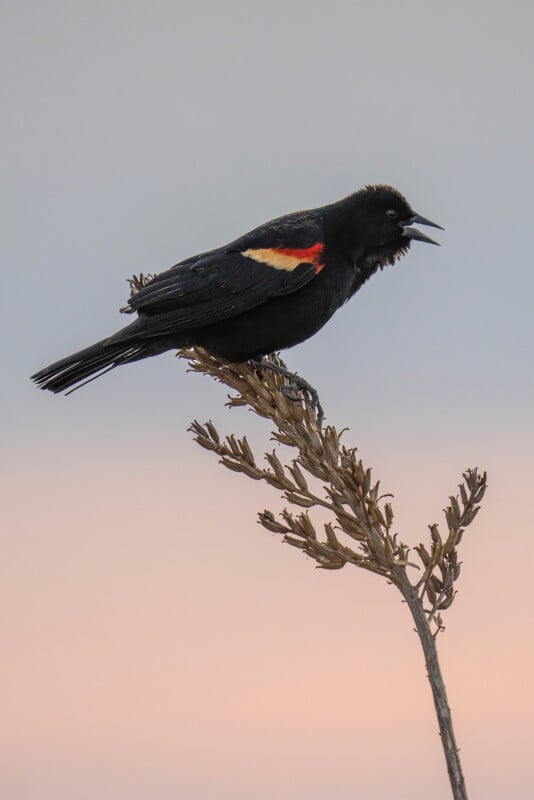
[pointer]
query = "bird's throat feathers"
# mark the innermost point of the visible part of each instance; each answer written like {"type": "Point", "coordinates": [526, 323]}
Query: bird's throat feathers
{"type": "Point", "coordinates": [381, 257]}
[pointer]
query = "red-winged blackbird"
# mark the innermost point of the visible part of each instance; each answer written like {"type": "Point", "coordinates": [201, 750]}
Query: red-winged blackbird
{"type": "Point", "coordinates": [270, 289]}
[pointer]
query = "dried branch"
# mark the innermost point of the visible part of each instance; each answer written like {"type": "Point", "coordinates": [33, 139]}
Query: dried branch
{"type": "Point", "coordinates": [360, 529]}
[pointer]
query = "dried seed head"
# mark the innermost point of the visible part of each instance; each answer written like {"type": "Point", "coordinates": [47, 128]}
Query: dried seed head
{"type": "Point", "coordinates": [267, 519]}
{"type": "Point", "coordinates": [349, 495]}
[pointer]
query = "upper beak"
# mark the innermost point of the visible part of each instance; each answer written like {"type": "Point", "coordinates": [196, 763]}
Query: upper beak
{"type": "Point", "coordinates": [413, 233]}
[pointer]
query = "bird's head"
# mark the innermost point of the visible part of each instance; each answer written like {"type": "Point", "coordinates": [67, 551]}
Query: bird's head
{"type": "Point", "coordinates": [387, 225]}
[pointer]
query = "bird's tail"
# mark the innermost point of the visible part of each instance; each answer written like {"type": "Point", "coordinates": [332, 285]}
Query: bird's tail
{"type": "Point", "coordinates": [86, 365]}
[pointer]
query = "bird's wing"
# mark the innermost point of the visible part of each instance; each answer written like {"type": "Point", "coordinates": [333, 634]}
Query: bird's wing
{"type": "Point", "coordinates": [226, 282]}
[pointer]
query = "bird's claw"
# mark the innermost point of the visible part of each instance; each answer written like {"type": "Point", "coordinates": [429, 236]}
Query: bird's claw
{"type": "Point", "coordinates": [296, 388]}
{"type": "Point", "coordinates": [291, 391]}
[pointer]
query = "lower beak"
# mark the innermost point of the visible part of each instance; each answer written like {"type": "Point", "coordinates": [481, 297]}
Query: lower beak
{"type": "Point", "coordinates": [414, 233]}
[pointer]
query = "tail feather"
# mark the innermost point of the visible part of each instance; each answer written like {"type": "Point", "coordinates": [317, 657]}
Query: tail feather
{"type": "Point", "coordinates": [86, 365]}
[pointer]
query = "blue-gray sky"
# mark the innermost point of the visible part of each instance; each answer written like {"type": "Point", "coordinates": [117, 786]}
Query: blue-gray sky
{"type": "Point", "coordinates": [134, 134]}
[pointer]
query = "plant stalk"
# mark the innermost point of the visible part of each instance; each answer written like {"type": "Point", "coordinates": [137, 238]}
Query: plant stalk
{"type": "Point", "coordinates": [428, 643]}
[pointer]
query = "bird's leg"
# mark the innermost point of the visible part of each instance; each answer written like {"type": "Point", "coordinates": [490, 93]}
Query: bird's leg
{"type": "Point", "coordinates": [297, 386]}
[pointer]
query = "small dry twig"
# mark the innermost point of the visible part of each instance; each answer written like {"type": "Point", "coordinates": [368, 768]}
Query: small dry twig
{"type": "Point", "coordinates": [136, 283]}
{"type": "Point", "coordinates": [360, 529]}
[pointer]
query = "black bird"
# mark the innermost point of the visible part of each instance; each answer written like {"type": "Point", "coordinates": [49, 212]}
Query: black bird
{"type": "Point", "coordinates": [270, 289]}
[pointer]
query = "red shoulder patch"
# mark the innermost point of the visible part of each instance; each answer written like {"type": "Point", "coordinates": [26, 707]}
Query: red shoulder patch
{"type": "Point", "coordinates": [287, 258]}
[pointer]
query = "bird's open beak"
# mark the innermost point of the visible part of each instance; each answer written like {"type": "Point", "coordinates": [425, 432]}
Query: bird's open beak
{"type": "Point", "coordinates": [413, 233]}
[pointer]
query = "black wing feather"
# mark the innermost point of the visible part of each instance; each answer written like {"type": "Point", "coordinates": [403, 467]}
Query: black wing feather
{"type": "Point", "coordinates": [222, 283]}
{"type": "Point", "coordinates": [204, 293]}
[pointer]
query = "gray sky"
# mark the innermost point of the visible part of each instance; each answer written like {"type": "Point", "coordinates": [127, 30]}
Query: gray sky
{"type": "Point", "coordinates": [134, 135]}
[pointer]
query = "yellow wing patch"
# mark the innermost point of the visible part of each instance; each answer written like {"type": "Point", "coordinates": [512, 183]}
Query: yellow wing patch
{"type": "Point", "coordinates": [287, 258]}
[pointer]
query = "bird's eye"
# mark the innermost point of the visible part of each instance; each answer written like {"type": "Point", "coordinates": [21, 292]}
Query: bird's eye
{"type": "Point", "coordinates": [392, 214]}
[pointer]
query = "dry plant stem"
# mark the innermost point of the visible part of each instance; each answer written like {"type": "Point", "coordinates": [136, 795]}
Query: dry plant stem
{"type": "Point", "coordinates": [360, 530]}
{"type": "Point", "coordinates": [439, 693]}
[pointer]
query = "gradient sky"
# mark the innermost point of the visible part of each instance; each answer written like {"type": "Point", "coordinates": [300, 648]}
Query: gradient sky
{"type": "Point", "coordinates": [157, 642]}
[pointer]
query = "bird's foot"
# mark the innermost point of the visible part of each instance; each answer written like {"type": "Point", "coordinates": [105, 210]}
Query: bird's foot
{"type": "Point", "coordinates": [296, 387]}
